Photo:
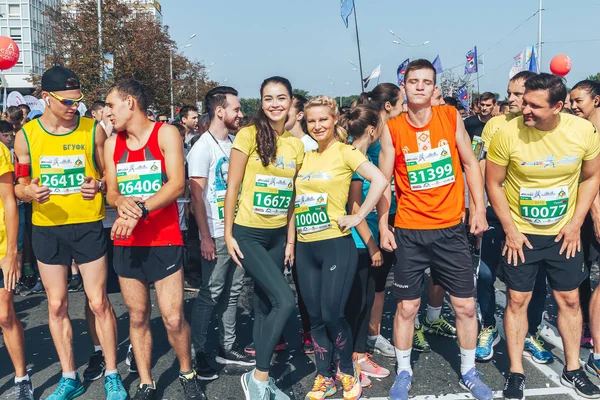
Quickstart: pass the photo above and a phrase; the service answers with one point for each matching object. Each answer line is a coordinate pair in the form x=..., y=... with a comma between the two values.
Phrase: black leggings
x=362, y=296
x=273, y=303
x=304, y=317
x=326, y=273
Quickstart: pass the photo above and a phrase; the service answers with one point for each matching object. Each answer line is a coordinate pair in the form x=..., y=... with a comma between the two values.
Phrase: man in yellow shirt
x=549, y=165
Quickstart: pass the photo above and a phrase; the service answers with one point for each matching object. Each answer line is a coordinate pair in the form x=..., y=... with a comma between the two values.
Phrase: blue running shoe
x=534, y=348
x=488, y=338
x=401, y=386
x=593, y=366
x=113, y=387
x=67, y=389
x=471, y=382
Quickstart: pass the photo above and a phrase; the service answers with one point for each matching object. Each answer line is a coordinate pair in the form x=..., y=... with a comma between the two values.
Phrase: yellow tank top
x=62, y=162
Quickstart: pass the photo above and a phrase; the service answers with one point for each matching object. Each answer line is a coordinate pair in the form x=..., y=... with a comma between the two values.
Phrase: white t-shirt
x=309, y=143
x=209, y=159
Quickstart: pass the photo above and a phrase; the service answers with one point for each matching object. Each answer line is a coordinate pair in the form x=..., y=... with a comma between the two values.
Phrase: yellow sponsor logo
x=301, y=209
x=418, y=167
x=266, y=190
x=48, y=171
x=127, y=178
x=533, y=202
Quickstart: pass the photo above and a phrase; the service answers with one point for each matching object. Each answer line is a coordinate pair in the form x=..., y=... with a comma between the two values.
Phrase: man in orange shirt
x=425, y=149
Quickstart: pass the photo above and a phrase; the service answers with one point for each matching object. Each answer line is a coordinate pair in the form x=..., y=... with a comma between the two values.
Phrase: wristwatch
x=144, y=209
x=100, y=185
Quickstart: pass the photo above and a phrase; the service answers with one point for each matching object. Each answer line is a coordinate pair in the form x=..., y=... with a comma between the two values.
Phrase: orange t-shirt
x=427, y=171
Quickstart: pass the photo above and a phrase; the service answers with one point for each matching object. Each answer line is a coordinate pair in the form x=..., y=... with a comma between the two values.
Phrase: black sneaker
x=514, y=386
x=579, y=381
x=130, y=361
x=24, y=390
x=204, y=371
x=96, y=367
x=146, y=392
x=233, y=356
x=38, y=287
x=76, y=283
x=191, y=388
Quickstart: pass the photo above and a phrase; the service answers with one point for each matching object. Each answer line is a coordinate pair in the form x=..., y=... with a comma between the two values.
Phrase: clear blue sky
x=307, y=42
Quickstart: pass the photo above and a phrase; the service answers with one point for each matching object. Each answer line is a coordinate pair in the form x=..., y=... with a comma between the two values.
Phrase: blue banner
x=347, y=6
x=471, y=64
x=402, y=70
x=463, y=97
x=437, y=63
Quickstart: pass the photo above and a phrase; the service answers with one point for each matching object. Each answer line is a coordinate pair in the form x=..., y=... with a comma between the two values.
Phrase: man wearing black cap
x=59, y=169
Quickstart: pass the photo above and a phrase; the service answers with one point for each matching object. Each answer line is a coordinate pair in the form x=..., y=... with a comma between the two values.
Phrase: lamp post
x=185, y=45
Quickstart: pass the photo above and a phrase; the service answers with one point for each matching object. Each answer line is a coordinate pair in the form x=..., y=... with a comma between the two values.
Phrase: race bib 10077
x=544, y=206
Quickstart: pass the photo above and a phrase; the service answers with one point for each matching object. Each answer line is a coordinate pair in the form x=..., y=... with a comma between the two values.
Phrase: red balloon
x=9, y=53
x=560, y=65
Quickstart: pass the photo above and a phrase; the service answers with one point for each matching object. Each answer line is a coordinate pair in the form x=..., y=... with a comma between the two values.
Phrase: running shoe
x=488, y=338
x=586, y=337
x=579, y=381
x=23, y=390
x=113, y=387
x=351, y=384
x=439, y=327
x=203, y=369
x=381, y=346
x=514, y=387
x=96, y=367
x=253, y=389
x=191, y=387
x=234, y=356
x=420, y=343
x=130, y=360
x=76, y=283
x=38, y=287
x=307, y=343
x=471, y=382
x=322, y=388
x=146, y=392
x=534, y=348
x=67, y=389
x=365, y=382
x=401, y=386
x=276, y=393
x=371, y=369
x=593, y=366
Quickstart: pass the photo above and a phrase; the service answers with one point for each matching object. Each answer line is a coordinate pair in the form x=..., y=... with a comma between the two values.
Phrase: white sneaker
x=381, y=346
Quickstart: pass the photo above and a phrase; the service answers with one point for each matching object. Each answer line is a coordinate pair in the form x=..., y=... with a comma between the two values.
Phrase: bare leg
x=376, y=314
x=515, y=324
x=570, y=325
x=466, y=321
x=404, y=323
x=435, y=294
x=170, y=302
x=12, y=330
x=137, y=298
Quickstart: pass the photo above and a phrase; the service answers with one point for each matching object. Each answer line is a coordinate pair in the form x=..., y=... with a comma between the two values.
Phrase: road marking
x=497, y=395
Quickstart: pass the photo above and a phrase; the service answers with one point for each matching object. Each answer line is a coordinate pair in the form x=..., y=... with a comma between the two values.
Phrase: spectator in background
x=203, y=124
x=151, y=116
x=189, y=120
x=163, y=118
x=6, y=134
x=461, y=110
x=451, y=101
x=504, y=108
x=34, y=114
x=88, y=114
x=26, y=110
x=14, y=115
x=97, y=110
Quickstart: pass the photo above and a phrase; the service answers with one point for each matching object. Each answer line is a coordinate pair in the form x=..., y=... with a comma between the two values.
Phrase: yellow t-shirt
x=543, y=170
x=62, y=162
x=492, y=127
x=267, y=191
x=5, y=168
x=322, y=188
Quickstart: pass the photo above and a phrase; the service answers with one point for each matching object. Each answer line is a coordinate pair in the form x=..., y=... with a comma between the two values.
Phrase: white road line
x=497, y=395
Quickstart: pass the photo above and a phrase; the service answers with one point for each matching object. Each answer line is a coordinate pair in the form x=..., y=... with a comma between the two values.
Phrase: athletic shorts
x=148, y=264
x=445, y=251
x=60, y=245
x=564, y=275
x=589, y=244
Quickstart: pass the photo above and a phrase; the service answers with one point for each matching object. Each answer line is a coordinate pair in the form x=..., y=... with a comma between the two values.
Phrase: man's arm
x=27, y=189
x=198, y=186
x=170, y=145
x=474, y=178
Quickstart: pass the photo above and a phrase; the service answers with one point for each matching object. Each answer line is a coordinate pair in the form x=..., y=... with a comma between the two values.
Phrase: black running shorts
x=148, y=264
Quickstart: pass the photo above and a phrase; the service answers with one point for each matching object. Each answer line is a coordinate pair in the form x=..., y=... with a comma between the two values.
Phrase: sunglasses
x=67, y=102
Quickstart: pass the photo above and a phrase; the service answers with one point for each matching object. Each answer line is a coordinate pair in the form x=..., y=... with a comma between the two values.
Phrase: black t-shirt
x=474, y=127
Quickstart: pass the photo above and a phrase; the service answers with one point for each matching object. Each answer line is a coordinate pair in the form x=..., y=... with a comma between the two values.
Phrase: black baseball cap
x=55, y=79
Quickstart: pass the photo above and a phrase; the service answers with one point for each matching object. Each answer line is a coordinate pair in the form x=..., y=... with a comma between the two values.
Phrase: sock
x=417, y=321
x=467, y=360
x=433, y=313
x=97, y=348
x=109, y=372
x=596, y=356
x=70, y=375
x=187, y=375
x=256, y=380
x=22, y=379
x=403, y=359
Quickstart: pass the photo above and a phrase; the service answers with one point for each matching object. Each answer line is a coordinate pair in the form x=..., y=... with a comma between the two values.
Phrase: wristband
x=144, y=209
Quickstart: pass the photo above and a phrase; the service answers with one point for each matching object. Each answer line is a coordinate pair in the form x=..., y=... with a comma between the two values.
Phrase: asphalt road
x=435, y=373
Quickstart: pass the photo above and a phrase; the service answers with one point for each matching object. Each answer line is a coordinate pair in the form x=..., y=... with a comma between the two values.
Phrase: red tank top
x=161, y=227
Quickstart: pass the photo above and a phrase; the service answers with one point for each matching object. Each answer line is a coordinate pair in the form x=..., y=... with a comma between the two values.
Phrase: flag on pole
x=374, y=75
x=532, y=64
x=518, y=64
x=437, y=63
x=463, y=97
x=347, y=6
x=401, y=71
x=471, y=64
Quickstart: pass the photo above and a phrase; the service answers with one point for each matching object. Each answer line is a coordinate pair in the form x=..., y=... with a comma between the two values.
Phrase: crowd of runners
x=402, y=182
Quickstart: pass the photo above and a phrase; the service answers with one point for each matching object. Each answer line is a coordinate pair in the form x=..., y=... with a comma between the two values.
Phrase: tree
x=249, y=107
x=302, y=92
x=594, y=77
x=140, y=48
